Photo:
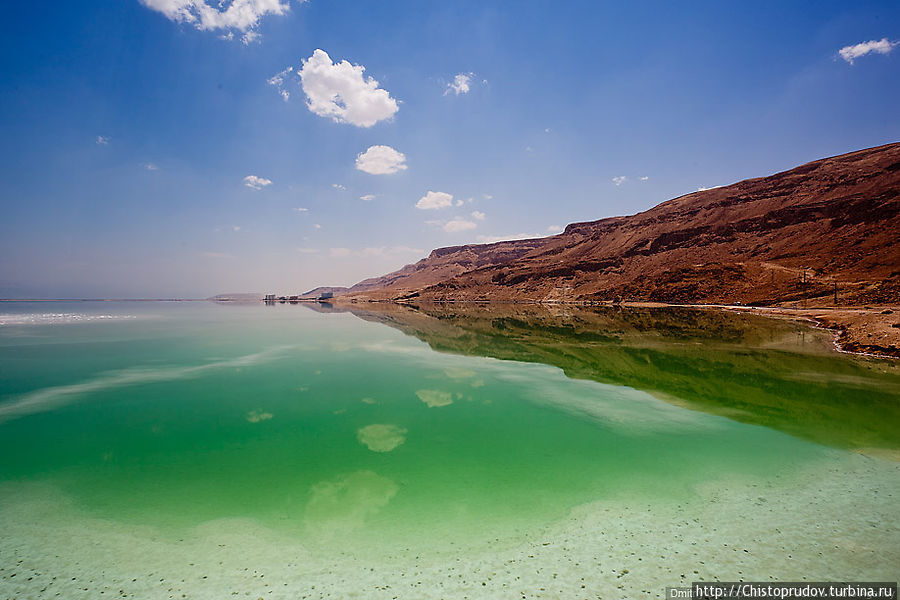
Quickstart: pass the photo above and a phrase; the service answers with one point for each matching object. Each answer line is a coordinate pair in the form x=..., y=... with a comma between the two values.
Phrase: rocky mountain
x=828, y=227
x=316, y=292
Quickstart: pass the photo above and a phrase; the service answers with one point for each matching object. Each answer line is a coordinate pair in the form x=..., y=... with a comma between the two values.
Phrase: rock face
x=317, y=292
x=832, y=223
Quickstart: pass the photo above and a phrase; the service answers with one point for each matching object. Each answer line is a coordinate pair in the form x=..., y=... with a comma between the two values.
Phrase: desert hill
x=799, y=234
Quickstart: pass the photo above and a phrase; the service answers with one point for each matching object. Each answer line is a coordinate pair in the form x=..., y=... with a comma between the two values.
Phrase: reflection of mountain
x=750, y=368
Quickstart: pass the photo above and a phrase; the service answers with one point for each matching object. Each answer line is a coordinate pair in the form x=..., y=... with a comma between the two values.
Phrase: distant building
x=270, y=298
x=325, y=296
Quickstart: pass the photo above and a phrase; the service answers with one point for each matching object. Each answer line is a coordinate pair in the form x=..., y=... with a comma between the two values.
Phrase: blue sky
x=130, y=127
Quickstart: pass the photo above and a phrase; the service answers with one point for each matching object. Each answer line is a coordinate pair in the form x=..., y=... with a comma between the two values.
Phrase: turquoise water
x=147, y=430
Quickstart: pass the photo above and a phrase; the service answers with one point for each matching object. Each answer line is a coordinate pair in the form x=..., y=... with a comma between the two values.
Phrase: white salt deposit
x=835, y=522
x=58, y=318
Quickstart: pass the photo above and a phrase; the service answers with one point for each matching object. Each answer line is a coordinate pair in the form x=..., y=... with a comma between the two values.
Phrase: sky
x=185, y=148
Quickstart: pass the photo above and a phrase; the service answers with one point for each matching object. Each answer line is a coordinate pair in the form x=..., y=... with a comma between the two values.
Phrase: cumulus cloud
x=619, y=180
x=882, y=46
x=458, y=224
x=381, y=160
x=300, y=209
x=255, y=182
x=240, y=15
x=555, y=229
x=477, y=214
x=102, y=140
x=434, y=201
x=367, y=197
x=461, y=84
x=339, y=91
x=150, y=166
x=338, y=186
x=644, y=178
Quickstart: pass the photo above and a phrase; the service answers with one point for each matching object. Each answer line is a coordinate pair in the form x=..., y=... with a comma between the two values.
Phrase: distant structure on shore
x=316, y=295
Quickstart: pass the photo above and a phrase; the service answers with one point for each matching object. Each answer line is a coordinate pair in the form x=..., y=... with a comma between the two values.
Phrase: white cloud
x=256, y=183
x=644, y=178
x=882, y=46
x=490, y=239
x=434, y=201
x=300, y=209
x=460, y=202
x=380, y=160
x=308, y=250
x=367, y=197
x=477, y=214
x=461, y=84
x=339, y=91
x=703, y=189
x=317, y=226
x=102, y=140
x=250, y=37
x=488, y=197
x=619, y=180
x=339, y=252
x=241, y=15
x=458, y=224
x=236, y=228
x=278, y=81
x=555, y=229
x=338, y=186
x=150, y=166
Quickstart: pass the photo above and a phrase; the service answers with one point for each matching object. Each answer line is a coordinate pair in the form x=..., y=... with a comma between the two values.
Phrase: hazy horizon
x=163, y=148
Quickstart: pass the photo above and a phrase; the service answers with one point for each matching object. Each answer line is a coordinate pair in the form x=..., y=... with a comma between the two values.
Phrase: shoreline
x=870, y=330
x=862, y=330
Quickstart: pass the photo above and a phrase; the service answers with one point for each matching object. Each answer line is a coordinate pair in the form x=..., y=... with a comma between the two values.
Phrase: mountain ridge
x=794, y=235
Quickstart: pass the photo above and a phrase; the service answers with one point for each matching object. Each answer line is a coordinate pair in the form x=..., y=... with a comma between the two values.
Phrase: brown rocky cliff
x=789, y=236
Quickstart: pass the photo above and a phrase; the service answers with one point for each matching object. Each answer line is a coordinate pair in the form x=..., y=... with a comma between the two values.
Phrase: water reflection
x=753, y=369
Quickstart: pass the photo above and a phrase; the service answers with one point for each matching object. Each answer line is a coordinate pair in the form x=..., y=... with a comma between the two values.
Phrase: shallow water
x=161, y=449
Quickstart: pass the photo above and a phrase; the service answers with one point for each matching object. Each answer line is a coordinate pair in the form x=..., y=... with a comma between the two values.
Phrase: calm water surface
x=361, y=453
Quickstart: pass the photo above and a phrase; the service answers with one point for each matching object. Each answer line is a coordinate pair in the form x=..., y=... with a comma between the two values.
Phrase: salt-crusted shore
x=835, y=521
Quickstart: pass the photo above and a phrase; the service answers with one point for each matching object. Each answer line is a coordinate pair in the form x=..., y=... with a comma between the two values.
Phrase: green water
x=338, y=432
